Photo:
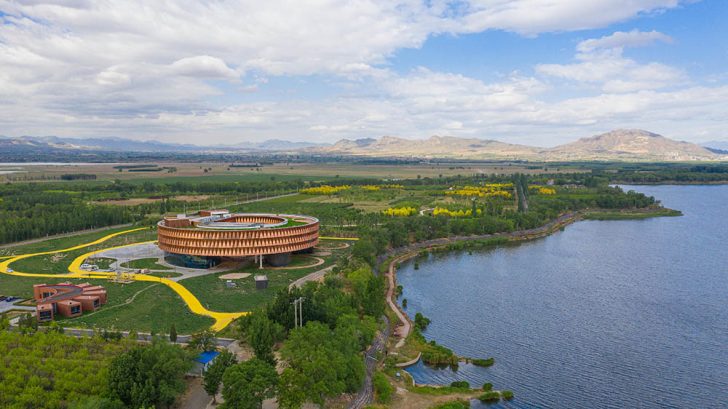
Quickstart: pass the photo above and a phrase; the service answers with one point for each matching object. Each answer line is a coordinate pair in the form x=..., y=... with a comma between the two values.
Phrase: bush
x=489, y=397
x=483, y=362
x=382, y=388
x=460, y=384
x=487, y=386
x=456, y=404
x=507, y=395
x=421, y=322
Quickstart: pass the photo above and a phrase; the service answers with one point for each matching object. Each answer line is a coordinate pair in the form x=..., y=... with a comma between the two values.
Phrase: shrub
x=483, y=362
x=456, y=404
x=382, y=388
x=487, y=386
x=489, y=397
x=507, y=395
x=421, y=322
x=460, y=384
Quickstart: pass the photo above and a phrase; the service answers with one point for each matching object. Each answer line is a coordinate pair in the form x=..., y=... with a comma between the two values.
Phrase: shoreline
x=394, y=257
x=673, y=183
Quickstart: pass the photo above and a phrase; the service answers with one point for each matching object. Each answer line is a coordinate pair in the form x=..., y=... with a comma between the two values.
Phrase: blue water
x=605, y=314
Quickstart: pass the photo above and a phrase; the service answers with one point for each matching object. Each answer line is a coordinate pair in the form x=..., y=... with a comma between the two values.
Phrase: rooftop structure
x=204, y=239
x=67, y=300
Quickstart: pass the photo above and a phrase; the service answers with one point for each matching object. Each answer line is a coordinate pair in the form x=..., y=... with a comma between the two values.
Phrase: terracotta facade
x=67, y=300
x=242, y=242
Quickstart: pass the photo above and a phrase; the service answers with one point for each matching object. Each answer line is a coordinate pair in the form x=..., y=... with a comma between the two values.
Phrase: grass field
x=104, y=263
x=221, y=172
x=148, y=263
x=155, y=308
x=59, y=243
x=57, y=263
x=214, y=295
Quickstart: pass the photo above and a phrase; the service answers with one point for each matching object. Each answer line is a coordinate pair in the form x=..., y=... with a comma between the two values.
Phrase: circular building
x=205, y=239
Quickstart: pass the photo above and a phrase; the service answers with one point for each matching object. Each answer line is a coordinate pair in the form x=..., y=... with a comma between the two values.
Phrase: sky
x=538, y=72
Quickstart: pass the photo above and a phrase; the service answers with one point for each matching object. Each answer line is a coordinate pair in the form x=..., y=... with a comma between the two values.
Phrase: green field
x=155, y=308
x=148, y=263
x=213, y=294
x=59, y=243
x=57, y=263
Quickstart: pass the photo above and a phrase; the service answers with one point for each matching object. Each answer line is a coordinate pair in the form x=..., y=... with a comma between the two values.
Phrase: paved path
x=315, y=276
x=9, y=306
x=365, y=396
x=405, y=326
x=143, y=336
x=195, y=396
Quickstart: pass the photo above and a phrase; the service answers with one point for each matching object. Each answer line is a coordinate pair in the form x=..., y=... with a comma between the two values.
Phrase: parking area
x=8, y=304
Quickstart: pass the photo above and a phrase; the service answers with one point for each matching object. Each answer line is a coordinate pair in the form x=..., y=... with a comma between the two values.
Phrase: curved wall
x=238, y=243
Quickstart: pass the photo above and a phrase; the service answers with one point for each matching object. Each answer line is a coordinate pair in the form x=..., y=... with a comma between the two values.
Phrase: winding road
x=222, y=319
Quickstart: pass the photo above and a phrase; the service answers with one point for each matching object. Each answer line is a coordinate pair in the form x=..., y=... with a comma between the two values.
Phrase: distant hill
x=275, y=145
x=35, y=143
x=617, y=145
x=433, y=147
x=630, y=145
x=720, y=147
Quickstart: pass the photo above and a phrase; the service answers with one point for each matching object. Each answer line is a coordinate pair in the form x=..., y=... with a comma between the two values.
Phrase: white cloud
x=531, y=17
x=602, y=63
x=621, y=39
x=204, y=66
x=142, y=69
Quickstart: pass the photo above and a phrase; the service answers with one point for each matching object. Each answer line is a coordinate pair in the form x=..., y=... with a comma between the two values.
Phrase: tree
x=382, y=388
x=4, y=322
x=247, y=384
x=421, y=322
x=261, y=334
x=55, y=327
x=202, y=341
x=173, y=334
x=149, y=375
x=213, y=375
x=27, y=324
x=322, y=363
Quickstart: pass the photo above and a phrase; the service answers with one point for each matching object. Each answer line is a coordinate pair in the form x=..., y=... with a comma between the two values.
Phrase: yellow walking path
x=222, y=319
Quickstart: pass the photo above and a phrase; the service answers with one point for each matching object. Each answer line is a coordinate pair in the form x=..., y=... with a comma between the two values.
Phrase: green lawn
x=214, y=295
x=20, y=286
x=148, y=263
x=57, y=263
x=103, y=263
x=154, y=309
x=61, y=243
x=164, y=274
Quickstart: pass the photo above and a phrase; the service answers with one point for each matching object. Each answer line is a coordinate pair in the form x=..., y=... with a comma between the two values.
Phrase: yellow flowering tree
x=324, y=190
x=400, y=211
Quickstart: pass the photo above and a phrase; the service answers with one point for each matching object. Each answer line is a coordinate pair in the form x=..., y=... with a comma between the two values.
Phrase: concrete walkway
x=151, y=250
x=315, y=276
x=9, y=306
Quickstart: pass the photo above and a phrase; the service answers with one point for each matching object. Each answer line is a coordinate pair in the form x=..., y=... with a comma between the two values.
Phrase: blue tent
x=204, y=360
x=207, y=357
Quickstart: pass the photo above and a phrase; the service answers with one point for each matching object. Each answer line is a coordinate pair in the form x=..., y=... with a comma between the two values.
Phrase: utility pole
x=298, y=312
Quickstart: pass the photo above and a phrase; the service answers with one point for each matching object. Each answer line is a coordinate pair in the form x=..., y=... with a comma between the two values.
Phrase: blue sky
x=539, y=72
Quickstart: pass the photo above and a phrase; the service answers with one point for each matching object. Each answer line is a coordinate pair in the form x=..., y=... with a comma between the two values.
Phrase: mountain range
x=617, y=145
x=129, y=145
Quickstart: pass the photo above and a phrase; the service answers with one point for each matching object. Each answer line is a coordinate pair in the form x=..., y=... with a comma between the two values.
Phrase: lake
x=605, y=314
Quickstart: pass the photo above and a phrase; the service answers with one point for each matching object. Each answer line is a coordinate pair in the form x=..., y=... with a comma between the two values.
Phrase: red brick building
x=67, y=300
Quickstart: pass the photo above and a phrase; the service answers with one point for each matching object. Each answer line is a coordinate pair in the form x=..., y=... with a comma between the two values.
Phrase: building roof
x=207, y=357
